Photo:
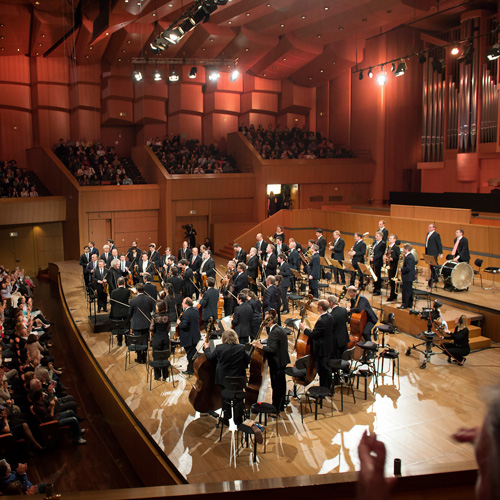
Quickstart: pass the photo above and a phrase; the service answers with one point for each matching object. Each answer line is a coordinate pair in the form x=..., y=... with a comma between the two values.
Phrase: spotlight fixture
x=422, y=58
x=467, y=55
x=173, y=77
x=370, y=73
x=493, y=53
x=156, y=75
x=234, y=75
x=382, y=78
x=455, y=50
x=393, y=67
x=137, y=76
x=173, y=36
x=437, y=65
x=214, y=75
x=400, y=70
x=192, y=72
x=360, y=75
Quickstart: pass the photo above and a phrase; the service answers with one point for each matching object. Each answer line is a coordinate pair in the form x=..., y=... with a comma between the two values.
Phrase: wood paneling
x=32, y=210
x=456, y=215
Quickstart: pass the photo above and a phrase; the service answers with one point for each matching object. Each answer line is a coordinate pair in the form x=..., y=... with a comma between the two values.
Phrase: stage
x=414, y=416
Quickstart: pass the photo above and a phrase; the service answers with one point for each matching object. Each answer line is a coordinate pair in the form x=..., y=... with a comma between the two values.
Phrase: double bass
x=205, y=395
x=257, y=364
x=303, y=345
x=357, y=325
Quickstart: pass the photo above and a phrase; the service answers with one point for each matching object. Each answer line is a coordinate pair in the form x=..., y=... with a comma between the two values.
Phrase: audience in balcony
x=283, y=143
x=14, y=181
x=189, y=157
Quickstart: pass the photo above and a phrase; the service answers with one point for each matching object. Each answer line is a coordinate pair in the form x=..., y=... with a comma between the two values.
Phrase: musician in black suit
x=125, y=266
x=377, y=261
x=106, y=256
x=92, y=266
x=240, y=279
x=184, y=251
x=280, y=247
x=92, y=249
x=111, y=245
x=154, y=256
x=114, y=273
x=207, y=267
x=460, y=250
x=340, y=333
x=145, y=267
x=176, y=281
x=314, y=271
x=358, y=304
x=189, y=332
x=209, y=302
x=286, y=274
x=240, y=254
x=164, y=260
x=433, y=247
x=150, y=289
x=322, y=342
x=358, y=256
x=119, y=305
x=337, y=250
x=321, y=242
x=383, y=230
x=242, y=318
x=407, y=276
x=294, y=262
x=276, y=351
x=195, y=264
x=99, y=279
x=84, y=262
x=261, y=246
x=271, y=262
x=187, y=274
x=392, y=258
x=271, y=296
x=141, y=308
x=134, y=253
x=253, y=268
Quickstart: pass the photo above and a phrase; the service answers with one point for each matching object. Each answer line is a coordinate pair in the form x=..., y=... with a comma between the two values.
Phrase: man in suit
x=407, y=276
x=271, y=262
x=111, y=245
x=106, y=256
x=195, y=264
x=207, y=267
x=209, y=302
x=271, y=296
x=392, y=257
x=92, y=266
x=154, y=256
x=84, y=262
x=314, y=271
x=141, y=308
x=114, y=273
x=261, y=246
x=383, y=230
x=188, y=288
x=124, y=265
x=358, y=304
x=184, y=252
x=253, y=268
x=276, y=351
x=293, y=261
x=189, y=332
x=358, y=256
x=145, y=267
x=242, y=318
x=240, y=279
x=280, y=246
x=150, y=289
x=286, y=274
x=177, y=283
x=460, y=250
x=130, y=251
x=377, y=261
x=240, y=254
x=433, y=247
x=337, y=250
x=99, y=279
x=340, y=333
x=321, y=242
x=322, y=342
x=92, y=249
x=119, y=305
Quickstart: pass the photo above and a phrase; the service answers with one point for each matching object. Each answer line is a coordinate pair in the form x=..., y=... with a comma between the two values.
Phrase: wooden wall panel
x=213, y=186
x=121, y=137
x=254, y=83
x=216, y=127
x=32, y=210
x=49, y=244
x=339, y=110
x=456, y=215
x=16, y=134
x=264, y=119
x=186, y=125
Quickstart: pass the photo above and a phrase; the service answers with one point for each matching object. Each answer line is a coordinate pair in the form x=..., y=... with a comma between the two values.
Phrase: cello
x=303, y=345
x=205, y=395
x=257, y=364
x=357, y=325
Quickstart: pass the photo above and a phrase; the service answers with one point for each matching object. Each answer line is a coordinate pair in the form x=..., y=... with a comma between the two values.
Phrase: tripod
x=430, y=339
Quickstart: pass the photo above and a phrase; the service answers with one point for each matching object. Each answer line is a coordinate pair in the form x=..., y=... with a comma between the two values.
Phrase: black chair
x=233, y=395
x=119, y=328
x=478, y=263
x=135, y=343
x=325, y=286
x=265, y=409
x=318, y=395
x=391, y=355
x=342, y=375
x=366, y=366
x=160, y=361
x=298, y=373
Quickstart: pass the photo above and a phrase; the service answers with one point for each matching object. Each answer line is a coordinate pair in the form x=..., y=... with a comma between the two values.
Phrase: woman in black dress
x=160, y=334
x=460, y=346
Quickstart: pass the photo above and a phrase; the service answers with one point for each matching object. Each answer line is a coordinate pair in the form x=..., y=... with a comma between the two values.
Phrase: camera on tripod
x=429, y=313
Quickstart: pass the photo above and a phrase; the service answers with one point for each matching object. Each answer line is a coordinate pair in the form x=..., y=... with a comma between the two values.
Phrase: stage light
x=173, y=77
x=467, y=55
x=137, y=76
x=360, y=75
x=173, y=36
x=401, y=69
x=422, y=58
x=213, y=76
x=234, y=75
x=187, y=25
x=156, y=75
x=455, y=50
x=370, y=73
x=437, y=65
x=382, y=78
x=493, y=53
x=193, y=72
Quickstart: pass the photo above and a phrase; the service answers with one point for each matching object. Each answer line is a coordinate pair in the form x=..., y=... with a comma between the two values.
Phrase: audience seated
x=92, y=164
x=189, y=157
x=15, y=182
x=296, y=143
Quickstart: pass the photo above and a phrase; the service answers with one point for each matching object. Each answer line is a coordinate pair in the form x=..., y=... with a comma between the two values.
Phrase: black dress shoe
x=401, y=307
x=391, y=299
x=377, y=293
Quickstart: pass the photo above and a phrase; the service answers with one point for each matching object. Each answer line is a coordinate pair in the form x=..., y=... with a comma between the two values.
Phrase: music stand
x=365, y=270
x=433, y=263
x=298, y=277
x=349, y=267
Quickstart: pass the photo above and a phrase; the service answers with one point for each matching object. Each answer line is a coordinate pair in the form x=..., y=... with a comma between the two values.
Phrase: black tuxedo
x=241, y=256
x=322, y=347
x=164, y=259
x=271, y=298
x=462, y=249
x=359, y=257
x=261, y=247
x=232, y=360
x=130, y=257
x=293, y=259
x=151, y=290
x=253, y=267
x=93, y=251
x=242, y=321
x=189, y=334
x=314, y=270
x=433, y=244
x=141, y=309
x=286, y=274
x=321, y=242
x=84, y=262
x=284, y=248
x=149, y=269
x=393, y=254
x=378, y=255
x=408, y=276
x=184, y=254
x=195, y=264
x=364, y=305
x=208, y=268
x=118, y=310
x=90, y=269
x=102, y=296
x=272, y=264
x=340, y=333
x=188, y=288
x=107, y=260
x=155, y=257
x=209, y=304
x=338, y=254
x=177, y=283
x=240, y=282
x=113, y=276
x=385, y=234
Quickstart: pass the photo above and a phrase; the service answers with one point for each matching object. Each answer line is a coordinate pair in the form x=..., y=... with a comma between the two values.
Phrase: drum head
x=462, y=276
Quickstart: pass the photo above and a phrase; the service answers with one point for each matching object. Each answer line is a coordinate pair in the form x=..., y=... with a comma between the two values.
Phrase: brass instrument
x=305, y=260
x=349, y=253
x=271, y=239
x=400, y=266
x=369, y=254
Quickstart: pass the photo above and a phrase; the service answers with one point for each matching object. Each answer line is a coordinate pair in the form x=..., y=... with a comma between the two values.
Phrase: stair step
x=474, y=331
x=479, y=343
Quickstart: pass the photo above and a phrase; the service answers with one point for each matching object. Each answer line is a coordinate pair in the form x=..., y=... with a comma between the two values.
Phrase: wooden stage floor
x=414, y=416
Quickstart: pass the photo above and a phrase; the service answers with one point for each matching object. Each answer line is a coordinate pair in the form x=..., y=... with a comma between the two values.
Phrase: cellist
x=360, y=303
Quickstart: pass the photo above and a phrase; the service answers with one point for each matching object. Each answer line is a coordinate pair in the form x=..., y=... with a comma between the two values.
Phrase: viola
x=303, y=345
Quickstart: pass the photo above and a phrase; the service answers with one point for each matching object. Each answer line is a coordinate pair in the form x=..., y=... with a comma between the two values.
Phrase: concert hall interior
x=330, y=144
